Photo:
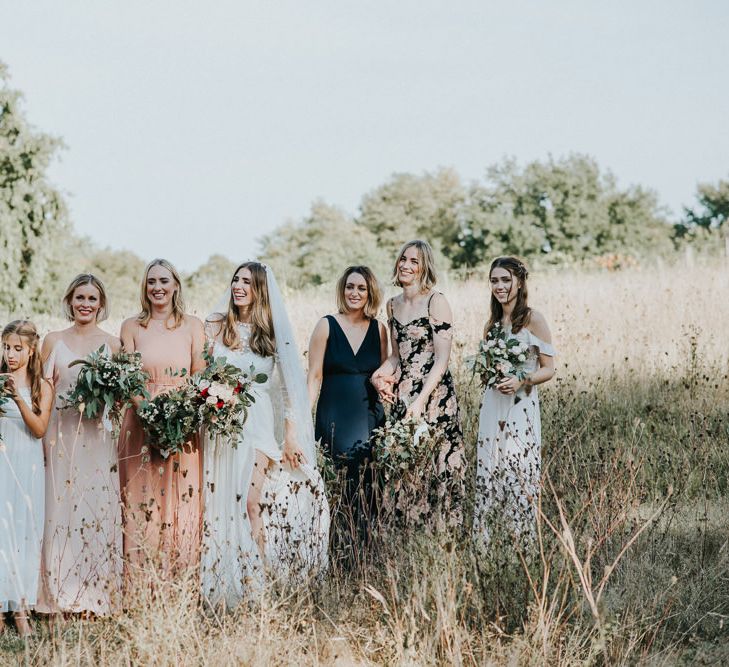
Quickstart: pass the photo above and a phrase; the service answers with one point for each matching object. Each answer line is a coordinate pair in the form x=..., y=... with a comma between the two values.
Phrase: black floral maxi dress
x=417, y=356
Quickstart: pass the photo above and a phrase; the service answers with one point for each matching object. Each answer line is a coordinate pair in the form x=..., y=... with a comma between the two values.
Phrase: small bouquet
x=499, y=356
x=400, y=447
x=171, y=419
x=4, y=393
x=224, y=395
x=106, y=385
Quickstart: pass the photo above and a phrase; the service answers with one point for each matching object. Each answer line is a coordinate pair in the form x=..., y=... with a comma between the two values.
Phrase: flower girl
x=26, y=407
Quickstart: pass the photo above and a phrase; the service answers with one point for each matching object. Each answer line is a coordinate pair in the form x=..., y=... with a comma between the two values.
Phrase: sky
x=193, y=128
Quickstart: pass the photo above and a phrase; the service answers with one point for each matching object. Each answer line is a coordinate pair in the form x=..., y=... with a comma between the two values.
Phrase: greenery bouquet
x=106, y=384
x=4, y=394
x=171, y=419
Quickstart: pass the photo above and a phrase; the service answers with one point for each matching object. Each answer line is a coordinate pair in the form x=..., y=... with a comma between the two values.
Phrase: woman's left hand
x=415, y=410
x=292, y=453
x=510, y=385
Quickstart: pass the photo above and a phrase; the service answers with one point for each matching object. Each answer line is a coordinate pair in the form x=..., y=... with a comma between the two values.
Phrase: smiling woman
x=161, y=495
x=81, y=567
x=345, y=349
x=415, y=377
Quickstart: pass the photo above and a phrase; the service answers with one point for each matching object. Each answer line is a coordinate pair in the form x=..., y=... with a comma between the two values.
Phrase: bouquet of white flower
x=499, y=356
x=171, y=419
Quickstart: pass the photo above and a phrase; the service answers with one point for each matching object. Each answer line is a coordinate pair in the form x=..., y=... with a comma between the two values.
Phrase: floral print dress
x=415, y=343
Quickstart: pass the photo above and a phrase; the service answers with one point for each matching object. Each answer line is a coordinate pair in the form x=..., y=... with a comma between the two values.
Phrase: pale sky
x=194, y=127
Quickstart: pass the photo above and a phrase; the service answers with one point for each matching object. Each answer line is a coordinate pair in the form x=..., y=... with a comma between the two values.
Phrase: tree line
x=550, y=211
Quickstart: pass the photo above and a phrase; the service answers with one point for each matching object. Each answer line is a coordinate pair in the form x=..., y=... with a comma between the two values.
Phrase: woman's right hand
x=10, y=389
x=384, y=385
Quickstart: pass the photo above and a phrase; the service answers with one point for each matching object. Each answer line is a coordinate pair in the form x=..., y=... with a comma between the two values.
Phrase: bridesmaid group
x=81, y=514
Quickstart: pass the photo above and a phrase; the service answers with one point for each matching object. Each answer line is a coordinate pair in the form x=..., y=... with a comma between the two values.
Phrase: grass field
x=632, y=560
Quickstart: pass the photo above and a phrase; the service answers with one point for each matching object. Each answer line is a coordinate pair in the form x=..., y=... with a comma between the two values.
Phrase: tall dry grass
x=631, y=560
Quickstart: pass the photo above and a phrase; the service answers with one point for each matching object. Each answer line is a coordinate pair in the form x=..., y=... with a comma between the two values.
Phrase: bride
x=266, y=515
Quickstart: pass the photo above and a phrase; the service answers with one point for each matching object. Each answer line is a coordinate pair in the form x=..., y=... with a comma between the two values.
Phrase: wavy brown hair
x=374, y=293
x=178, y=305
x=262, y=341
x=80, y=280
x=522, y=313
x=26, y=330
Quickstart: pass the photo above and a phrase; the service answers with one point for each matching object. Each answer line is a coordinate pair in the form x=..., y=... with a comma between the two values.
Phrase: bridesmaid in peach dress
x=161, y=496
x=82, y=538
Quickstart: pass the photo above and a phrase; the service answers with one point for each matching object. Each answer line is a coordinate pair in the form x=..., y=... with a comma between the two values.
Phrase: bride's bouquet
x=224, y=394
x=106, y=385
x=499, y=356
x=171, y=419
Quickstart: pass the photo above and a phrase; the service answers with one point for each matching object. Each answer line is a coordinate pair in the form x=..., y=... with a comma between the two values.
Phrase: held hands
x=510, y=385
x=384, y=384
x=292, y=453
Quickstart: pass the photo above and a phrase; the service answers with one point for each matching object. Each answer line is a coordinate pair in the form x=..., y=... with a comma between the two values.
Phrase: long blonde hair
x=178, y=305
x=80, y=280
x=262, y=341
x=428, y=276
x=28, y=331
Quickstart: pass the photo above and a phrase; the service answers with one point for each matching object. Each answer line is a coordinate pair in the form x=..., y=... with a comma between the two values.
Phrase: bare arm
x=198, y=344
x=539, y=327
x=37, y=423
x=317, y=348
x=49, y=342
x=384, y=377
x=114, y=344
x=128, y=328
x=383, y=342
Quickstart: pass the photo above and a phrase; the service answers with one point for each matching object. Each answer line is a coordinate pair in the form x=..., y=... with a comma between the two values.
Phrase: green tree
x=316, y=249
x=33, y=215
x=710, y=214
x=409, y=206
x=558, y=209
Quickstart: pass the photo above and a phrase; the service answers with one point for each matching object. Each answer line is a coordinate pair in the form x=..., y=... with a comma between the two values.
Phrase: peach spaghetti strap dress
x=161, y=496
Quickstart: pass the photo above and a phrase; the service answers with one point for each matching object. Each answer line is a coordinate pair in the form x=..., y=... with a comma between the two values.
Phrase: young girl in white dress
x=509, y=429
x=22, y=480
x=264, y=506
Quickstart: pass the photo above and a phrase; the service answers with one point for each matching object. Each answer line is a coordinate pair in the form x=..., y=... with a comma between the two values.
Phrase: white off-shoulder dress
x=509, y=451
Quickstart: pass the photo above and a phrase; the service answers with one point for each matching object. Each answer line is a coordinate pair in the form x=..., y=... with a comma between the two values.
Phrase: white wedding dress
x=294, y=508
x=509, y=452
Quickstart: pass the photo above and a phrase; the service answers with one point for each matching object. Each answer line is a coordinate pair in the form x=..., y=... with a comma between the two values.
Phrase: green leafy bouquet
x=224, y=395
x=400, y=447
x=106, y=384
x=499, y=356
x=170, y=419
x=4, y=394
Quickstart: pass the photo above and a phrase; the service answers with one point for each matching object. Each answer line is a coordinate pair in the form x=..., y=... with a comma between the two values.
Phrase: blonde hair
x=374, y=292
x=28, y=331
x=262, y=341
x=80, y=280
x=178, y=305
x=428, y=276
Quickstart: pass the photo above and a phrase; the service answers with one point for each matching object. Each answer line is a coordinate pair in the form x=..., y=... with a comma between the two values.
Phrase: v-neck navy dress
x=349, y=407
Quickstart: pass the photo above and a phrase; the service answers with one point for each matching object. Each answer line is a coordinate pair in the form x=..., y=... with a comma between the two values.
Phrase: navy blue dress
x=349, y=407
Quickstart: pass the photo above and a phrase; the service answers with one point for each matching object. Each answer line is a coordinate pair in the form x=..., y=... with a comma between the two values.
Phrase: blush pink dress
x=162, y=510
x=82, y=537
